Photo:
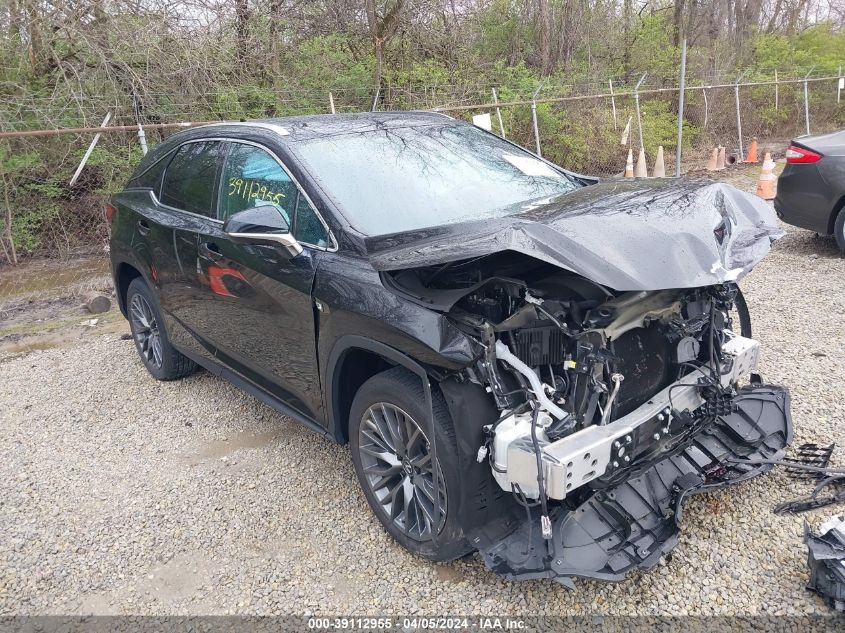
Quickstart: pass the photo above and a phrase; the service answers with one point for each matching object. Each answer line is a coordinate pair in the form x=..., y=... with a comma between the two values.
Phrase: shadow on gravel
x=801, y=242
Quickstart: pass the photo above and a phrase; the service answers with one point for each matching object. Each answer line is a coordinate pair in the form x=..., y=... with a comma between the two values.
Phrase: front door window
x=253, y=178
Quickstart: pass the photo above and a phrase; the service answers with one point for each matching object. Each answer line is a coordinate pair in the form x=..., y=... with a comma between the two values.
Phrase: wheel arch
x=124, y=274
x=837, y=209
x=354, y=360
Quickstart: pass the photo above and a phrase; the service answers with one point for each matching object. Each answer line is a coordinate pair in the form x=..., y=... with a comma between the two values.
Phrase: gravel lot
x=119, y=494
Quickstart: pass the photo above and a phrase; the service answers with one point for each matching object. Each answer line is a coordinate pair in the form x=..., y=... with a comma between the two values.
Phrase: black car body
x=525, y=361
x=811, y=187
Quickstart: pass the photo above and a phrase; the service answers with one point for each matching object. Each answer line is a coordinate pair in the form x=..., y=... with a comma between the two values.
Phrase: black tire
x=744, y=315
x=403, y=390
x=161, y=359
x=839, y=231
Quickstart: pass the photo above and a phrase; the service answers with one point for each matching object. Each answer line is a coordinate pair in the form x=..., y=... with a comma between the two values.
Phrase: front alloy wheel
x=399, y=469
x=392, y=435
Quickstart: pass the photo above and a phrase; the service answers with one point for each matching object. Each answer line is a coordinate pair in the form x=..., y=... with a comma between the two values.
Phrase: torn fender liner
x=623, y=234
x=633, y=524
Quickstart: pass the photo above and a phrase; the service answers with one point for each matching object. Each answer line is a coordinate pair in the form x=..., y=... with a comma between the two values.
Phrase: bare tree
x=383, y=26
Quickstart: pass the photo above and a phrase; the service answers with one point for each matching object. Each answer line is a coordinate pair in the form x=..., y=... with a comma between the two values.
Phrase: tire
x=839, y=231
x=744, y=315
x=396, y=396
x=150, y=335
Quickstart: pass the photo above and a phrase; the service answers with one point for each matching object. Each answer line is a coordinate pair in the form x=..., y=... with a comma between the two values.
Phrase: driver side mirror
x=262, y=225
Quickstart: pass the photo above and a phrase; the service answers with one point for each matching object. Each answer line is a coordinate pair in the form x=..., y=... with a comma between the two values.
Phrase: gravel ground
x=121, y=495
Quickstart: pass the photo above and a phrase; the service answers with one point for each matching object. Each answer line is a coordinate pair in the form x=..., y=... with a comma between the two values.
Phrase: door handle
x=210, y=251
x=143, y=227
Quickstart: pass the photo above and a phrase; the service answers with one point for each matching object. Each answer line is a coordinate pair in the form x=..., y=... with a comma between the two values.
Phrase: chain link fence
x=54, y=236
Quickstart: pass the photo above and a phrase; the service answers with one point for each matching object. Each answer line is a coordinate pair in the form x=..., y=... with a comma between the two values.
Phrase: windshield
x=399, y=179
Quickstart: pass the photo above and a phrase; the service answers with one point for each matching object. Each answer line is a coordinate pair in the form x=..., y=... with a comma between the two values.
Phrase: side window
x=308, y=228
x=189, y=181
x=253, y=178
x=150, y=178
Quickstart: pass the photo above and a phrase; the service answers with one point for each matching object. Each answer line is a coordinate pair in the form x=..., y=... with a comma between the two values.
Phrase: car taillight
x=111, y=211
x=797, y=154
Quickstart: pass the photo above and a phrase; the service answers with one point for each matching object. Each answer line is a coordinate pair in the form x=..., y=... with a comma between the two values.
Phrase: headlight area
x=610, y=451
x=612, y=408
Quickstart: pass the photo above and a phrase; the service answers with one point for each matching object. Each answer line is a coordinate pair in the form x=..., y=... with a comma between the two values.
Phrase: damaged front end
x=610, y=409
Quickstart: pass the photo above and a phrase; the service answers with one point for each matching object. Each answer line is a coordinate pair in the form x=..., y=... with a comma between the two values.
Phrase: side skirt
x=255, y=391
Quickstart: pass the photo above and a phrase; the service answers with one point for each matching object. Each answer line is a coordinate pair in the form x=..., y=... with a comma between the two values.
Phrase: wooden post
x=612, y=103
x=498, y=113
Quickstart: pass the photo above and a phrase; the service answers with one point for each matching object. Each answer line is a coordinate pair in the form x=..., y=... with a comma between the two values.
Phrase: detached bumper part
x=826, y=559
x=630, y=525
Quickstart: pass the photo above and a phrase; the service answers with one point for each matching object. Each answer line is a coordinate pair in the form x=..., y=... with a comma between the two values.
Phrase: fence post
x=738, y=115
x=498, y=113
x=681, y=108
x=637, y=104
x=88, y=151
x=612, y=103
x=331, y=102
x=776, y=90
x=807, y=99
x=142, y=137
x=534, y=118
x=839, y=85
x=375, y=99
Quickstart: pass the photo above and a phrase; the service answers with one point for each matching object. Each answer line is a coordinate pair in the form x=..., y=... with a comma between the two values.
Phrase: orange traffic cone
x=752, y=152
x=629, y=165
x=640, y=171
x=659, y=164
x=713, y=163
x=720, y=163
x=768, y=183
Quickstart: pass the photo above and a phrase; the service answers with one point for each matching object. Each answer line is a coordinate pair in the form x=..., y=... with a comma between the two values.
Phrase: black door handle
x=143, y=227
x=210, y=251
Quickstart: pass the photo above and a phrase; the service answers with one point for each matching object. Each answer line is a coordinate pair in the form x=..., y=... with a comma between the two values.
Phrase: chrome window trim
x=278, y=129
x=191, y=213
x=333, y=245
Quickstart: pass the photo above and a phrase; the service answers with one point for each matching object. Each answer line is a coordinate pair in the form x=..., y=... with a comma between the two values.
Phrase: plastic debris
x=810, y=454
x=826, y=560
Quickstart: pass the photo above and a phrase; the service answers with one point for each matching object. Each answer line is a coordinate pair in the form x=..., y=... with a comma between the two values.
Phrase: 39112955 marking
x=349, y=624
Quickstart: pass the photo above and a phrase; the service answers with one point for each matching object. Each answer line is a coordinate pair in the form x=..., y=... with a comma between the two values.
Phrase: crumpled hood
x=624, y=234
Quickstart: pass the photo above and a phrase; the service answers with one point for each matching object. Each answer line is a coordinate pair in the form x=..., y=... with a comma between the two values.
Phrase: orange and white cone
x=767, y=184
x=713, y=163
x=641, y=171
x=752, y=152
x=659, y=164
x=629, y=165
x=720, y=162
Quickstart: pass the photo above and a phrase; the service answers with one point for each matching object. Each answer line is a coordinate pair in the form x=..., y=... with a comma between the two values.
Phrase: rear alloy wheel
x=150, y=335
x=145, y=331
x=393, y=458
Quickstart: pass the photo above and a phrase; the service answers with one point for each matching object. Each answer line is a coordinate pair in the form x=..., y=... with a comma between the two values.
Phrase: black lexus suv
x=525, y=362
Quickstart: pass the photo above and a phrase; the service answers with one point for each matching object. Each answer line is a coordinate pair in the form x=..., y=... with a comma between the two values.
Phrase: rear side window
x=150, y=177
x=189, y=182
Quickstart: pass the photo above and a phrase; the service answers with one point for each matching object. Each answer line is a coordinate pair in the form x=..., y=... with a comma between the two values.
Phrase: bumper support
x=632, y=524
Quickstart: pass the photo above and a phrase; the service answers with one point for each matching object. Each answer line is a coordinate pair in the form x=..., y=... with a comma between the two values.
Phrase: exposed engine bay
x=597, y=389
